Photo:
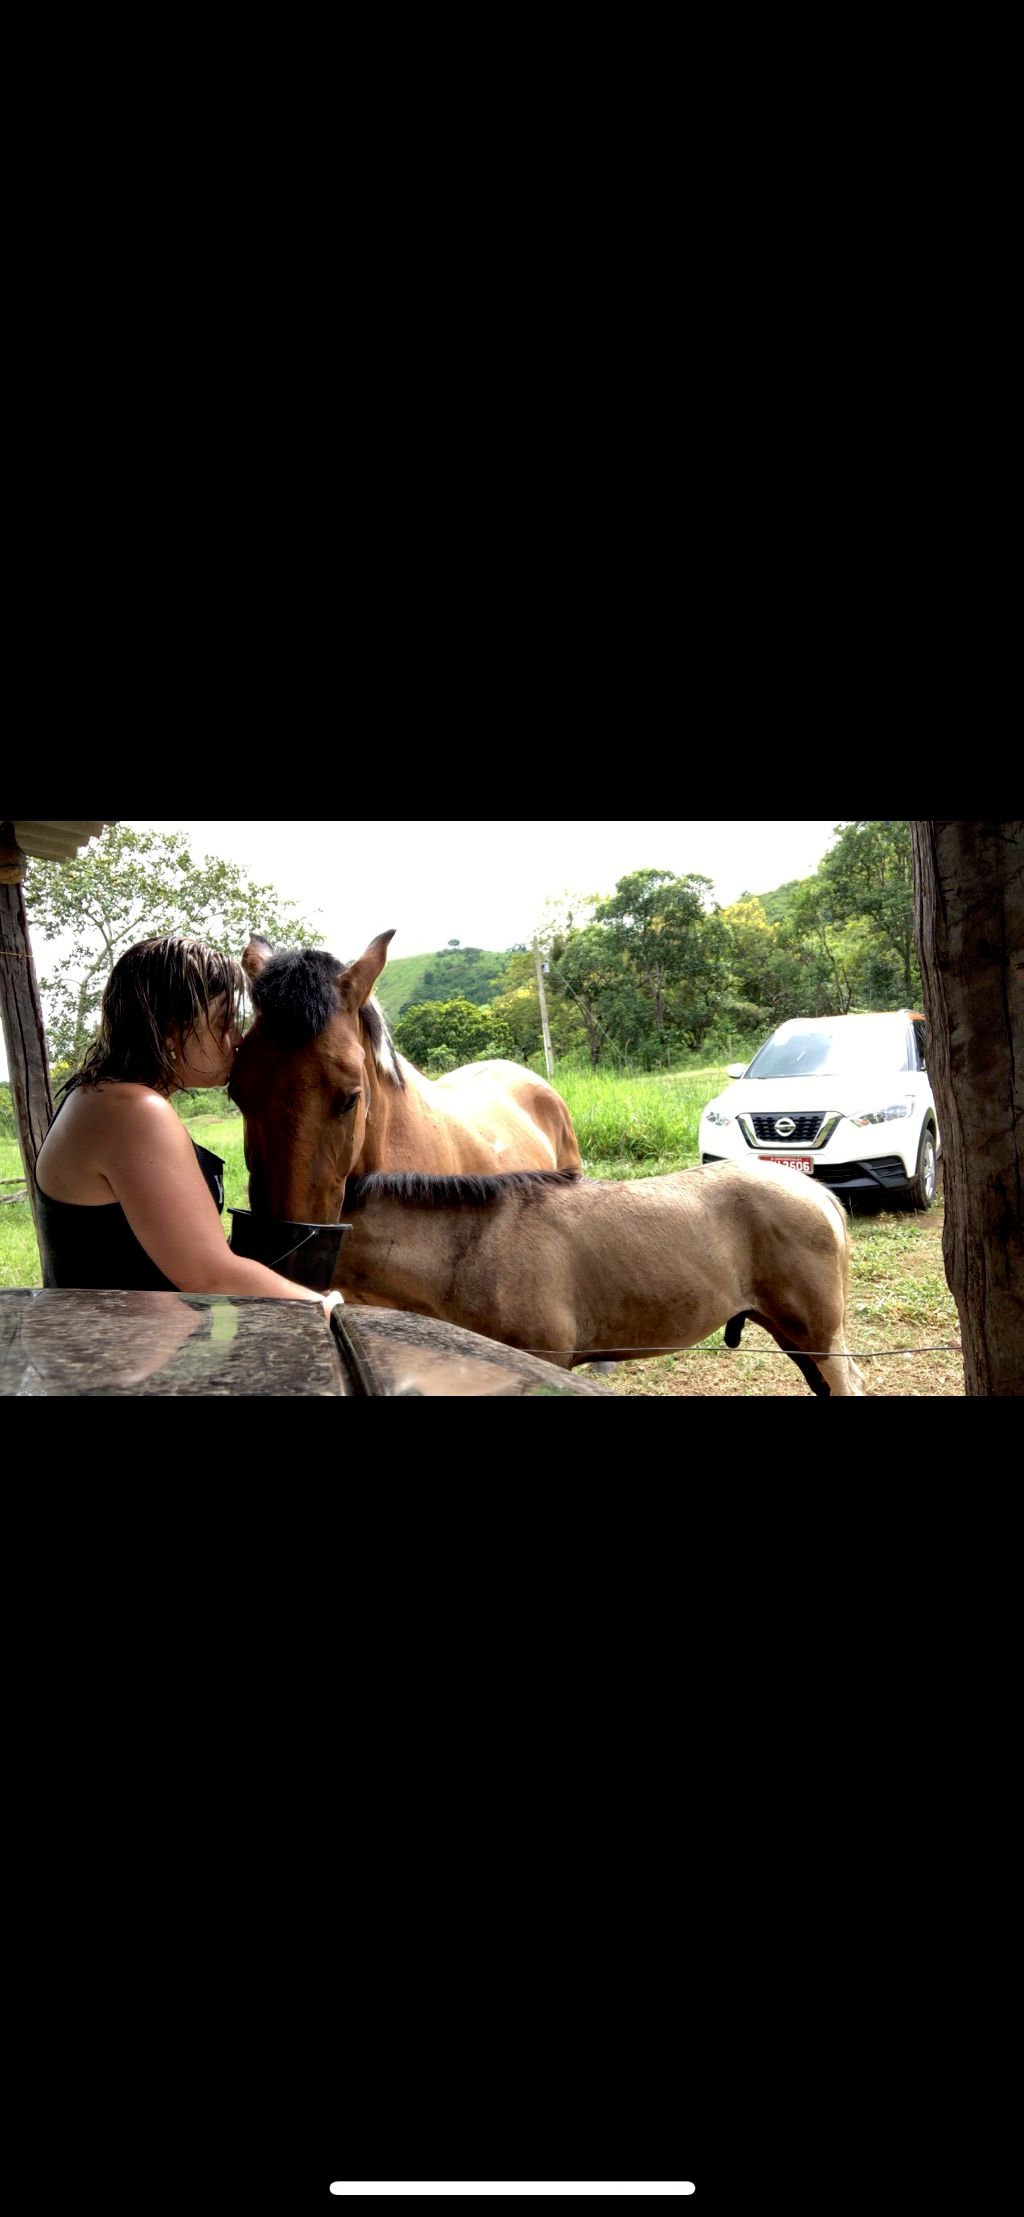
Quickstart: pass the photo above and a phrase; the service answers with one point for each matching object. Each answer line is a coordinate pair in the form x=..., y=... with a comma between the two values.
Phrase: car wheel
x=921, y=1190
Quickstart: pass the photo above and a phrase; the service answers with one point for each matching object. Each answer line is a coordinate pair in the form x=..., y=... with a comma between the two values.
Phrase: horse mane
x=295, y=996
x=378, y=1031
x=441, y=1191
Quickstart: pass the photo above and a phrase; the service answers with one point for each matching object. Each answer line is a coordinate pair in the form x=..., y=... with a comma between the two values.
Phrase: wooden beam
x=12, y=860
x=22, y=1015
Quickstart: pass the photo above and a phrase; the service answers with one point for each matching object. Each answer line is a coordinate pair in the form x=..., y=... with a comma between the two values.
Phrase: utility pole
x=548, y=1056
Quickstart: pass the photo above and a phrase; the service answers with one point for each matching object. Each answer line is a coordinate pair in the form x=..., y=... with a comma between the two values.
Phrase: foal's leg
x=830, y=1319
x=842, y=1374
x=837, y=1371
x=827, y=1375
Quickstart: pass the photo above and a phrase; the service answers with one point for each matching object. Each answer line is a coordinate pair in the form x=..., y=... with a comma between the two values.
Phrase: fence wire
x=783, y=1354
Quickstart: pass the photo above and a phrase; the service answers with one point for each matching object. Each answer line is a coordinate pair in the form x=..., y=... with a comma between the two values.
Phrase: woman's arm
x=149, y=1162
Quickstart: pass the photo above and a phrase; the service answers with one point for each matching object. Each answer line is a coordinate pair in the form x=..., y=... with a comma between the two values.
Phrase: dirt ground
x=898, y=1299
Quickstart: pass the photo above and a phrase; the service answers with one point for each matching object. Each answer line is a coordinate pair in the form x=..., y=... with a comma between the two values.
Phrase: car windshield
x=854, y=1047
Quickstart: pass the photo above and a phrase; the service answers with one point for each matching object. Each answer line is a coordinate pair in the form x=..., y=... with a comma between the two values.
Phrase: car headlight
x=714, y=1115
x=883, y=1115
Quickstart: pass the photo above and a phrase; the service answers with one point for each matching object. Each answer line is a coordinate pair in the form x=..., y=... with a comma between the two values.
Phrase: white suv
x=842, y=1098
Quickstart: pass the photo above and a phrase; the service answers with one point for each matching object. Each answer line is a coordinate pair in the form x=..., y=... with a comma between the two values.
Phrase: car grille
x=805, y=1128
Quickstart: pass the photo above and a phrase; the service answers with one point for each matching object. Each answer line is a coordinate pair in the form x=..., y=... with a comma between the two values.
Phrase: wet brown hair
x=158, y=987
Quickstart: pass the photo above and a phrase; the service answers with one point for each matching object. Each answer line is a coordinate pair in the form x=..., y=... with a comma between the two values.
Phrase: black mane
x=420, y=1185
x=295, y=993
x=295, y=996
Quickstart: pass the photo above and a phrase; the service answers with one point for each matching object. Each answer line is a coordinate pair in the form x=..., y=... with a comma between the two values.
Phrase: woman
x=124, y=1196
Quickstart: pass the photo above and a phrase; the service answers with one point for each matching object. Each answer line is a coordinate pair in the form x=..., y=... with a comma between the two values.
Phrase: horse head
x=305, y=1075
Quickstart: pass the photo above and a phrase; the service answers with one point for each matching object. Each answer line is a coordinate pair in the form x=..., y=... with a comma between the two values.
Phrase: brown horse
x=574, y=1268
x=323, y=1093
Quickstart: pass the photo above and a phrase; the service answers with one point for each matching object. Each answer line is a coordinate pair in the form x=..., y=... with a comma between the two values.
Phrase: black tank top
x=83, y=1246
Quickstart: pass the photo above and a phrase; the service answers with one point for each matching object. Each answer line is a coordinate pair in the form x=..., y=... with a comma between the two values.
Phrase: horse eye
x=347, y=1102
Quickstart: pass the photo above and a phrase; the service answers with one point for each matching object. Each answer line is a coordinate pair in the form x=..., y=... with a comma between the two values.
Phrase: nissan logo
x=784, y=1125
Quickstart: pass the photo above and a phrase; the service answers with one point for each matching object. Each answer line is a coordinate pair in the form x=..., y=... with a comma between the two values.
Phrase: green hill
x=448, y=974
x=778, y=904
x=398, y=983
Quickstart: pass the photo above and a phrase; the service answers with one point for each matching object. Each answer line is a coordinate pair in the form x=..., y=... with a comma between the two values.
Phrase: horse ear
x=257, y=954
x=358, y=981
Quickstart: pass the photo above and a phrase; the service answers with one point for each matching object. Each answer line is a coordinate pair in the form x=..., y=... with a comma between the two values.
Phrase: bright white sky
x=486, y=883
x=482, y=882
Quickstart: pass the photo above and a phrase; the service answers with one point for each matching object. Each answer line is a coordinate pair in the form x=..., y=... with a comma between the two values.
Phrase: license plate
x=791, y=1162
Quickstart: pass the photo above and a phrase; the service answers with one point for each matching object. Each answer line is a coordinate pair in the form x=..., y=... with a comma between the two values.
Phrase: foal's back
x=661, y=1262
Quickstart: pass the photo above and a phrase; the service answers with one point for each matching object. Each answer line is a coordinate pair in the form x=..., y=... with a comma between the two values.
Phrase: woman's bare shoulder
x=122, y=1097
x=97, y=1128
x=122, y=1109
x=117, y=1102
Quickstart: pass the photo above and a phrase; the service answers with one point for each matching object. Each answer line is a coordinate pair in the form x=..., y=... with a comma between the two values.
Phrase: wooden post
x=22, y=1014
x=969, y=904
x=548, y=1056
x=12, y=861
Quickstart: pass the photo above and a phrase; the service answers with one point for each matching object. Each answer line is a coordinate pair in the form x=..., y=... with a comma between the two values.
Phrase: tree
x=460, y=973
x=138, y=885
x=676, y=947
x=518, y=1003
x=606, y=996
x=969, y=912
x=519, y=1011
x=441, y=1035
x=518, y=1007
x=765, y=970
x=869, y=873
x=825, y=951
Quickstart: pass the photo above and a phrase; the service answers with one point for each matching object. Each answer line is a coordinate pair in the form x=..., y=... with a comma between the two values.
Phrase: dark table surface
x=64, y=1343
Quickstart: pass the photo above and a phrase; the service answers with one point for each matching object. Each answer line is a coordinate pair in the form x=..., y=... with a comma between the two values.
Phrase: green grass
x=19, y=1255
x=641, y=1125
x=223, y=1136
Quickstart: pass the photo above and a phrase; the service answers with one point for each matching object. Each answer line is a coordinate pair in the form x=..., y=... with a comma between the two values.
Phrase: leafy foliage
x=868, y=876
x=463, y=974
x=657, y=971
x=441, y=1036
x=402, y=982
x=138, y=885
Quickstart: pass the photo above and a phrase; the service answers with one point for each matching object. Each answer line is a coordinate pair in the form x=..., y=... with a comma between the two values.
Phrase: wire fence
x=783, y=1354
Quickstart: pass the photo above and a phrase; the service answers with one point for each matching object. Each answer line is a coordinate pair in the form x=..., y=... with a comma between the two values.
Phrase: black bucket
x=306, y=1253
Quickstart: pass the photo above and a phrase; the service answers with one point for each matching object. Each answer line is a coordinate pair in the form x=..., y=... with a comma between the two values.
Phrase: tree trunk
x=23, y=1032
x=969, y=911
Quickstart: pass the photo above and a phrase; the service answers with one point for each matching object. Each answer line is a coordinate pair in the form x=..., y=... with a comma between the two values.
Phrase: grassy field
x=638, y=1127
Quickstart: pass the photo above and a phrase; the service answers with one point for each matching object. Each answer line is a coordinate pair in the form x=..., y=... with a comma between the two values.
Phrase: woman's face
x=207, y=1057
